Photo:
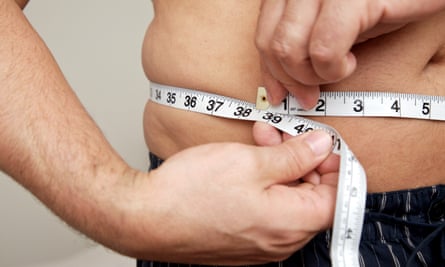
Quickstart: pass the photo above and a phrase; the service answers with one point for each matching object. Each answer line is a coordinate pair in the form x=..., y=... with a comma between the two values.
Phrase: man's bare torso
x=209, y=45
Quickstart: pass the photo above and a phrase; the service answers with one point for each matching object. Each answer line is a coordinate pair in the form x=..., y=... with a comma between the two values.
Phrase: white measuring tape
x=351, y=192
x=369, y=104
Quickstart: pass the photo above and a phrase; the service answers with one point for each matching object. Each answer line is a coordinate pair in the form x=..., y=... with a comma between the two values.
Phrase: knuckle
x=288, y=43
x=322, y=53
x=281, y=48
x=327, y=62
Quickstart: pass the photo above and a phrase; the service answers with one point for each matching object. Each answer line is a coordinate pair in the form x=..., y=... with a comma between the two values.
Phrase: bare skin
x=210, y=46
x=51, y=146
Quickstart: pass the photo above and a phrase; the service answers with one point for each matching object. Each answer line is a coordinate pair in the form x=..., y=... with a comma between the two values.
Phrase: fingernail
x=303, y=104
x=320, y=142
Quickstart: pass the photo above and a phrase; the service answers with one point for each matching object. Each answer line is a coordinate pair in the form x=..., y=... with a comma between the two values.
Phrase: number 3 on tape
x=351, y=192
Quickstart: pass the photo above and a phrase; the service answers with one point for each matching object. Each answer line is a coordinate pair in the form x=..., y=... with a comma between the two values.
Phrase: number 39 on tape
x=351, y=191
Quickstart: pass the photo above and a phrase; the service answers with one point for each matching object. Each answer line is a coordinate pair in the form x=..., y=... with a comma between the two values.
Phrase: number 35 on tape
x=351, y=191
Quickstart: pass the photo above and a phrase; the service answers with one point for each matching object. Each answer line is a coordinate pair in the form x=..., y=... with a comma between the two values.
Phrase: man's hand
x=238, y=204
x=304, y=44
x=218, y=203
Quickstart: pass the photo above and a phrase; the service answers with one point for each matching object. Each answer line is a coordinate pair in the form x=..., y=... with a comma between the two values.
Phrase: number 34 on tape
x=351, y=192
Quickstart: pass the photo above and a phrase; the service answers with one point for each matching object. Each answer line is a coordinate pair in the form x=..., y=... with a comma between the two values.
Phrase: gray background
x=97, y=43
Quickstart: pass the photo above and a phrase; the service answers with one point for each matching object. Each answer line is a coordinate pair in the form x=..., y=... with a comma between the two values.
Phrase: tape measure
x=365, y=104
x=351, y=191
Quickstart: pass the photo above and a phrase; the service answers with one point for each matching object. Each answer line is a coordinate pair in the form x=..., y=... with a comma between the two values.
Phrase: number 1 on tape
x=351, y=191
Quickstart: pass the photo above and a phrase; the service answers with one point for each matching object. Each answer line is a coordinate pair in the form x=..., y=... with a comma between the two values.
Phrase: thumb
x=266, y=135
x=296, y=157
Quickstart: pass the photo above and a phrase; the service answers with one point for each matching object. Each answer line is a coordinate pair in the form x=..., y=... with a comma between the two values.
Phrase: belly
x=214, y=52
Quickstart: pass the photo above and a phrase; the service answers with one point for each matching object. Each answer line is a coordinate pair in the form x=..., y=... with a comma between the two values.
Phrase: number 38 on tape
x=351, y=191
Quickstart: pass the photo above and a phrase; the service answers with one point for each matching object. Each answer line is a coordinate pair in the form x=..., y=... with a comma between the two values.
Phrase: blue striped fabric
x=401, y=229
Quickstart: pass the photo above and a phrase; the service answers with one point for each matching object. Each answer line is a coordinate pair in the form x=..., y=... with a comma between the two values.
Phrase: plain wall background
x=97, y=44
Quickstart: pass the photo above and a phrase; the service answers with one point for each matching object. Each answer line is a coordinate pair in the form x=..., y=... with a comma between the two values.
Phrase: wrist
x=122, y=213
x=92, y=201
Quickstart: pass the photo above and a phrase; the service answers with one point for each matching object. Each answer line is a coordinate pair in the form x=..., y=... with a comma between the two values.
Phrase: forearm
x=182, y=212
x=48, y=142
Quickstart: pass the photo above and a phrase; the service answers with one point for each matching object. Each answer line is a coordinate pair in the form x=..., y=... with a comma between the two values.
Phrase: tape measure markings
x=344, y=244
x=351, y=190
x=369, y=104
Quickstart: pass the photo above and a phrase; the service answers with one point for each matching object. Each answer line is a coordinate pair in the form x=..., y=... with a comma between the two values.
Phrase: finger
x=270, y=15
x=287, y=136
x=319, y=205
x=276, y=92
x=335, y=31
x=316, y=202
x=407, y=11
x=295, y=157
x=290, y=43
x=283, y=46
x=312, y=178
x=330, y=179
x=266, y=135
x=377, y=31
x=271, y=65
x=329, y=165
x=306, y=95
x=326, y=172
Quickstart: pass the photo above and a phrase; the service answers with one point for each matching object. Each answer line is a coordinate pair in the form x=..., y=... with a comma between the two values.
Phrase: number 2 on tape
x=351, y=192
